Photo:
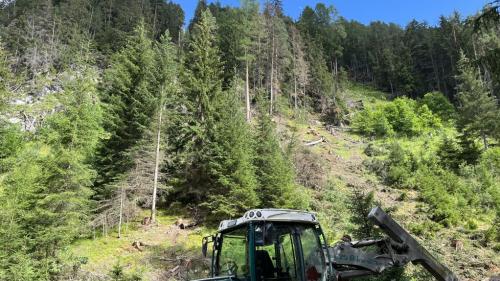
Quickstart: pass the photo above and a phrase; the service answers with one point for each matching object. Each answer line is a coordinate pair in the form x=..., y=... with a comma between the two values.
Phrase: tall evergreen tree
x=275, y=173
x=231, y=163
x=200, y=8
x=167, y=80
x=131, y=100
x=219, y=159
x=49, y=183
x=479, y=113
x=5, y=76
x=250, y=30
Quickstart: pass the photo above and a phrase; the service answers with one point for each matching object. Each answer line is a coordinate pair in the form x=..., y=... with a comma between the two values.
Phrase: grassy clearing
x=163, y=241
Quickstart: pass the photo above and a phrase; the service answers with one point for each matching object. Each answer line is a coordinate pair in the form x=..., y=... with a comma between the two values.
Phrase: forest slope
x=338, y=168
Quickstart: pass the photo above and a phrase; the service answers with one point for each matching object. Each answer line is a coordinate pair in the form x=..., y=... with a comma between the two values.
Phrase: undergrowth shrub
x=439, y=188
x=427, y=228
x=452, y=196
x=439, y=105
x=402, y=116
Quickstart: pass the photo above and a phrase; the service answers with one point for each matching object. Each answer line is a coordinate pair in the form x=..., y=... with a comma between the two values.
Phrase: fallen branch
x=315, y=142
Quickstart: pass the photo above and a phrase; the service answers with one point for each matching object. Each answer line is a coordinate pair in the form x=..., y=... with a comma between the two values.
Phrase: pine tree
x=479, y=113
x=300, y=66
x=202, y=84
x=49, y=183
x=220, y=173
x=278, y=54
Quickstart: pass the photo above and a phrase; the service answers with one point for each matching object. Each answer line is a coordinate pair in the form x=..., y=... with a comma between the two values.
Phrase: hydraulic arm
x=373, y=256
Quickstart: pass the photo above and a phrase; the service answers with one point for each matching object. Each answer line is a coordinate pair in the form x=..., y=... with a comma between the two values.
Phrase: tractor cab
x=269, y=245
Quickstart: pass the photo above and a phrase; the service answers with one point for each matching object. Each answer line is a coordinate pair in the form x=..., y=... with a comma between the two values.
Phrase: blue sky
x=366, y=11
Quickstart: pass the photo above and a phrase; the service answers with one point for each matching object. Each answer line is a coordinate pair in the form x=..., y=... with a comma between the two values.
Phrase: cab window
x=233, y=256
x=314, y=263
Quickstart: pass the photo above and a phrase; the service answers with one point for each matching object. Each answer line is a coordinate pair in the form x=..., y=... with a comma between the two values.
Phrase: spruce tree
x=49, y=182
x=275, y=173
x=219, y=158
x=5, y=76
x=131, y=100
x=200, y=8
x=203, y=67
x=232, y=155
x=167, y=83
x=249, y=30
x=479, y=113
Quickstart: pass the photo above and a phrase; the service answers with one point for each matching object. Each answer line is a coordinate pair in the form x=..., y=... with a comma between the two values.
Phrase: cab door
x=314, y=263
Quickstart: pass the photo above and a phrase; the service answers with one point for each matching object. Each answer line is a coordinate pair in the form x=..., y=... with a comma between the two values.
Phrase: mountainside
x=338, y=166
x=117, y=118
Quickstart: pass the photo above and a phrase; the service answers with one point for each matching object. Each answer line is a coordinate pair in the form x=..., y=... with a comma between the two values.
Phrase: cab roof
x=277, y=215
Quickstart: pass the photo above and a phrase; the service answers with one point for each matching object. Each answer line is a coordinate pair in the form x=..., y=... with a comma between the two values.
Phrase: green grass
x=365, y=93
x=103, y=252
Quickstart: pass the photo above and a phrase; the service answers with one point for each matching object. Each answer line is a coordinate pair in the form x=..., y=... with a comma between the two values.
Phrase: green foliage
x=360, y=205
x=131, y=100
x=442, y=191
x=203, y=68
x=439, y=105
x=449, y=153
x=274, y=169
x=5, y=76
x=48, y=181
x=479, y=113
x=231, y=160
x=117, y=273
x=402, y=116
x=446, y=183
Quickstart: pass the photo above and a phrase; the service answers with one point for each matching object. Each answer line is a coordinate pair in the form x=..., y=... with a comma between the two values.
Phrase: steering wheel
x=231, y=267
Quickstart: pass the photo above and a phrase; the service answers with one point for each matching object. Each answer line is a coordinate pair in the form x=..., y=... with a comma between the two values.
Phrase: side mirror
x=204, y=244
x=204, y=247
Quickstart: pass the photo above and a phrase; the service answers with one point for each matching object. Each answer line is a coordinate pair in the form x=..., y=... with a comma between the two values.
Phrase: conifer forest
x=121, y=120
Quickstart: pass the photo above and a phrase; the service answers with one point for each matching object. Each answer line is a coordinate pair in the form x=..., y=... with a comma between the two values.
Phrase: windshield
x=279, y=251
x=283, y=252
x=233, y=256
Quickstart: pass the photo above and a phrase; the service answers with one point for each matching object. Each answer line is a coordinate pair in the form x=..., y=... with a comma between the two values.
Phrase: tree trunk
x=485, y=141
x=247, y=91
x=121, y=213
x=157, y=162
x=154, y=19
x=295, y=91
x=272, y=78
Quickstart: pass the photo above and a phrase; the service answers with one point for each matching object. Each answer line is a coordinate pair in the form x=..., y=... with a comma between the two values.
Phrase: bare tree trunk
x=157, y=162
x=154, y=20
x=272, y=78
x=247, y=91
x=295, y=91
x=485, y=141
x=121, y=213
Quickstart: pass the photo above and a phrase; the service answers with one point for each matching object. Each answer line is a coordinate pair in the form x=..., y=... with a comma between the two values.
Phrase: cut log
x=315, y=142
x=174, y=270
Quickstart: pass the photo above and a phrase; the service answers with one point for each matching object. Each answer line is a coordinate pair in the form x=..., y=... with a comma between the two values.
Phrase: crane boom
x=373, y=256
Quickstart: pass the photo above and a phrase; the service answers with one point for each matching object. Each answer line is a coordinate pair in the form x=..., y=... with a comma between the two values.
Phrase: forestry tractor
x=289, y=245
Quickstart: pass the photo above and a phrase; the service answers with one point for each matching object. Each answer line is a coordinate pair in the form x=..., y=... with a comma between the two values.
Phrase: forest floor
x=169, y=251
